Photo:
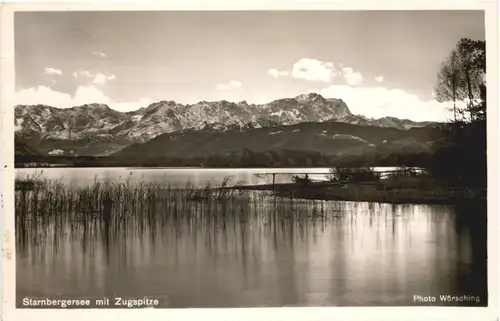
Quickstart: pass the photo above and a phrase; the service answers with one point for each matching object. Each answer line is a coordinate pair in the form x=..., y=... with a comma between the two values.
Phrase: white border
x=379, y=313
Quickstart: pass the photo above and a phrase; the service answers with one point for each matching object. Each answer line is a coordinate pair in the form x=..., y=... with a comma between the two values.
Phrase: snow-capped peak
x=309, y=97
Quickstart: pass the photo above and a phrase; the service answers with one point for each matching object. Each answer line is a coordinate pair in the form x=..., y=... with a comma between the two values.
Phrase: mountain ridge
x=97, y=129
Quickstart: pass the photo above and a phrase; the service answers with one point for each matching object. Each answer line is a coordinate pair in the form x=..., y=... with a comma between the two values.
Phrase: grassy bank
x=369, y=193
x=365, y=185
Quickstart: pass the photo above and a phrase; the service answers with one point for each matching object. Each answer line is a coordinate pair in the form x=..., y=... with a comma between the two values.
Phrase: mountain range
x=96, y=130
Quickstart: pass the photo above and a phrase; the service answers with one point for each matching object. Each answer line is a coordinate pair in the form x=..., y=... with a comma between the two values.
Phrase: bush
x=461, y=158
x=354, y=174
x=301, y=180
x=410, y=178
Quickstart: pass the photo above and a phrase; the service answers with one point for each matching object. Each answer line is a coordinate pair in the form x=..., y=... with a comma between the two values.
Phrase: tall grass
x=113, y=209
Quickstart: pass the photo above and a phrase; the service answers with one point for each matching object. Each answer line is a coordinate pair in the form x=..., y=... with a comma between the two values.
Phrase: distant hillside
x=329, y=138
x=96, y=129
x=24, y=152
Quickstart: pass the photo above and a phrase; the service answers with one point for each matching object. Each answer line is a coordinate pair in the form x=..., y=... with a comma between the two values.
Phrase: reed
x=112, y=209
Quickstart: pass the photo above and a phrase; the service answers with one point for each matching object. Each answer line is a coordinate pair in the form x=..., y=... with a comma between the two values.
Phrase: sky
x=381, y=63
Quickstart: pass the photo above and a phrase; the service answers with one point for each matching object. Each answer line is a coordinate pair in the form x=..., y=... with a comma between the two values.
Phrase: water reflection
x=277, y=253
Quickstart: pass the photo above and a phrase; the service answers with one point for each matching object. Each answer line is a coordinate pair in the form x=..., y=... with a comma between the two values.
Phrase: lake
x=269, y=252
x=175, y=176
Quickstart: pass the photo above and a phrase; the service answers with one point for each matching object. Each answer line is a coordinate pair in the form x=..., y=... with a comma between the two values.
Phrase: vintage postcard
x=295, y=160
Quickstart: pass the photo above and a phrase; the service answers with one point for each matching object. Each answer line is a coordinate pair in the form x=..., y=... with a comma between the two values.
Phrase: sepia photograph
x=250, y=159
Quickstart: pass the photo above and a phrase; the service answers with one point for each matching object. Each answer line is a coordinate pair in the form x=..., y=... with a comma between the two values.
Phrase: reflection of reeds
x=113, y=209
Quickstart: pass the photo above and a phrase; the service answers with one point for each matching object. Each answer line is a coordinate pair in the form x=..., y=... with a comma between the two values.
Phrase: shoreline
x=366, y=192
x=382, y=191
x=55, y=165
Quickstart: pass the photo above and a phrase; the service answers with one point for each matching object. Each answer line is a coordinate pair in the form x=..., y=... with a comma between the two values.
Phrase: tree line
x=246, y=158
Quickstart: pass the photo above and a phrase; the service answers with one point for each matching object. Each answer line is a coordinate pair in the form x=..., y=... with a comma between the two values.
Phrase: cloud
x=352, y=78
x=99, y=53
x=83, y=95
x=314, y=70
x=379, y=78
x=97, y=78
x=101, y=79
x=231, y=84
x=379, y=102
x=276, y=73
x=52, y=71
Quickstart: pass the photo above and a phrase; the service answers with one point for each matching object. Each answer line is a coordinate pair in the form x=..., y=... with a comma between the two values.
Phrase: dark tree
x=461, y=79
x=449, y=82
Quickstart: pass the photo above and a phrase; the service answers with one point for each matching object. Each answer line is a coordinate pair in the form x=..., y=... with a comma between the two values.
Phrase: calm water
x=321, y=254
x=175, y=176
